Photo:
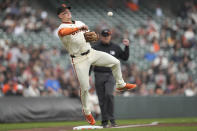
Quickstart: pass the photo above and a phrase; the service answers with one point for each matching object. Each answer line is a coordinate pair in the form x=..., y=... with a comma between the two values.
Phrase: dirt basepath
x=67, y=128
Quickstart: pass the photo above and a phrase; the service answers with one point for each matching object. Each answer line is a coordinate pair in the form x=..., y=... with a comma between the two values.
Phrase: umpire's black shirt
x=112, y=49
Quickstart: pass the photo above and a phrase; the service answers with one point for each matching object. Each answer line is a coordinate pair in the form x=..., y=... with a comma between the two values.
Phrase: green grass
x=12, y=126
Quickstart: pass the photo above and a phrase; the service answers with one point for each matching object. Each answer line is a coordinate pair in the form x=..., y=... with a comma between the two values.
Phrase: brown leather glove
x=91, y=36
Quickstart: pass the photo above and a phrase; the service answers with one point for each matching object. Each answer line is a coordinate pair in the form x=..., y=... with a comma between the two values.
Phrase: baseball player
x=72, y=33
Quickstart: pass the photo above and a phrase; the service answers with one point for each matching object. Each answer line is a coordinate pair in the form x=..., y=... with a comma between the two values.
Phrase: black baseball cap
x=105, y=32
x=62, y=8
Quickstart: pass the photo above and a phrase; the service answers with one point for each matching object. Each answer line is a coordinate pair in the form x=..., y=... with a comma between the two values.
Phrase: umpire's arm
x=124, y=55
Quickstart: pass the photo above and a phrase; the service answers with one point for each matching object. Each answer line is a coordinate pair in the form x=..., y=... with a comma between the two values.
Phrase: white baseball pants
x=82, y=65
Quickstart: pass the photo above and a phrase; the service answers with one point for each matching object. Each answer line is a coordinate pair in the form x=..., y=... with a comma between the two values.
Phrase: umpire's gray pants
x=104, y=83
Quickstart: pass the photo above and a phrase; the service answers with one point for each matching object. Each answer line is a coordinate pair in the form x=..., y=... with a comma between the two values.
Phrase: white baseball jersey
x=74, y=43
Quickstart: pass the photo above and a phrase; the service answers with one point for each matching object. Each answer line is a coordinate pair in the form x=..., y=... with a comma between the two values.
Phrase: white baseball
x=110, y=13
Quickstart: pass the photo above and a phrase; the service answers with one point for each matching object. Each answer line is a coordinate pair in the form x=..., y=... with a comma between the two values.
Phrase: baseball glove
x=91, y=36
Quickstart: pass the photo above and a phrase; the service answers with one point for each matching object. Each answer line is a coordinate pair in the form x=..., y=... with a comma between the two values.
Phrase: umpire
x=104, y=80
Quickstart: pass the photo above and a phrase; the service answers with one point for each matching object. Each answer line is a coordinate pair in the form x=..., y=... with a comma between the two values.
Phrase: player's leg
x=100, y=58
x=82, y=73
x=106, y=60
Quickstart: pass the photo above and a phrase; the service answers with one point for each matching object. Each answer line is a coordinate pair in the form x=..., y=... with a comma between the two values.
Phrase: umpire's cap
x=106, y=32
x=62, y=8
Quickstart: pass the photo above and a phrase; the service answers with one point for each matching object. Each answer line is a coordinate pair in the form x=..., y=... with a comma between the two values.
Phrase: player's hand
x=84, y=28
x=125, y=42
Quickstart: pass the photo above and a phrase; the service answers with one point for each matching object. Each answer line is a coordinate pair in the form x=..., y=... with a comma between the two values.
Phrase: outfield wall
x=19, y=109
x=155, y=107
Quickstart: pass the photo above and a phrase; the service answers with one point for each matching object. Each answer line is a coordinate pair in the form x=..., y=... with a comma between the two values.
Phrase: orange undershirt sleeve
x=67, y=31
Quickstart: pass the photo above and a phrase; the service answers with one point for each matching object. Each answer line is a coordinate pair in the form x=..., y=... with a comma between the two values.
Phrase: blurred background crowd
x=163, y=46
x=18, y=17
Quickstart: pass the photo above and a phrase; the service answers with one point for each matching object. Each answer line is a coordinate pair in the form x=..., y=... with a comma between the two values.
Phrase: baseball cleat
x=90, y=119
x=105, y=126
x=113, y=123
x=127, y=87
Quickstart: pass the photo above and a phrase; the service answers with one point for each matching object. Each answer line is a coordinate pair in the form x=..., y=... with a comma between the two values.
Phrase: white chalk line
x=138, y=125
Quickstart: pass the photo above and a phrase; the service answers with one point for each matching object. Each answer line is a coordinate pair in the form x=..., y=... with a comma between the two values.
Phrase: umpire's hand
x=125, y=42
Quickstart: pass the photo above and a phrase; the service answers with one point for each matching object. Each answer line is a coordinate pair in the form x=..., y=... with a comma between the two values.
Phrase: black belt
x=84, y=53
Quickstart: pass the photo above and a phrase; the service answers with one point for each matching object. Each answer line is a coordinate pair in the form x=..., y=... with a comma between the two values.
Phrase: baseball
x=110, y=13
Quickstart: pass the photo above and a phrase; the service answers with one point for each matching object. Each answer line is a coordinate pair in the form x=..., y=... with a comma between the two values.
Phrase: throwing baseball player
x=75, y=38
